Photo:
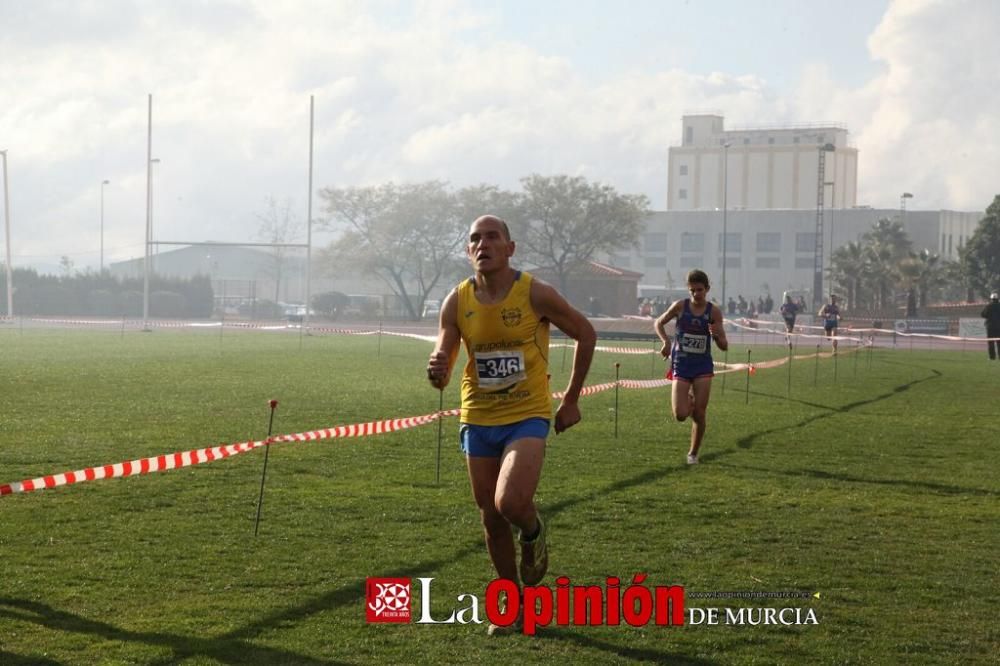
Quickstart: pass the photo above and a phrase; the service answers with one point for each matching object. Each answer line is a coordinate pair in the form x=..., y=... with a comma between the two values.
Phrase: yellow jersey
x=506, y=377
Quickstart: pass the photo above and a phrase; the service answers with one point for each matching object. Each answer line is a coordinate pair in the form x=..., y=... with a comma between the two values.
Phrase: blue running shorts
x=490, y=441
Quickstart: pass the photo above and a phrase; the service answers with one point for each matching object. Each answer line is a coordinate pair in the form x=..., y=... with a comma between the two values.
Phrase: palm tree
x=886, y=244
x=882, y=273
x=846, y=269
x=890, y=235
x=921, y=271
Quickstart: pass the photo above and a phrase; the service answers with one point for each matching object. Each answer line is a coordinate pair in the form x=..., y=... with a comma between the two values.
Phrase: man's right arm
x=442, y=359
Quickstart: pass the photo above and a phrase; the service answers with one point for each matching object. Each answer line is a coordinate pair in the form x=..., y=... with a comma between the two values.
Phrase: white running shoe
x=692, y=459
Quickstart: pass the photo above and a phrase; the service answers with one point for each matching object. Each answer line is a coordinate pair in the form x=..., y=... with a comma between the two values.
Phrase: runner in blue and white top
x=830, y=313
x=690, y=355
x=789, y=310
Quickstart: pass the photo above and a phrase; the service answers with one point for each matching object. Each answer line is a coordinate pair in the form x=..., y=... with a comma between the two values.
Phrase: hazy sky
x=468, y=92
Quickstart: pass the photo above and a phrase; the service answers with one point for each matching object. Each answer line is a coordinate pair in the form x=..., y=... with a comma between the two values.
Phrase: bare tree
x=565, y=221
x=278, y=224
x=409, y=235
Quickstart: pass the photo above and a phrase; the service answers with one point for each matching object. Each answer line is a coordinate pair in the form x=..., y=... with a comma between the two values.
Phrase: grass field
x=878, y=489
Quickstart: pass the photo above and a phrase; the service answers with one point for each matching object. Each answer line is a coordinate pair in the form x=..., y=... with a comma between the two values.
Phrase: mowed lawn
x=878, y=488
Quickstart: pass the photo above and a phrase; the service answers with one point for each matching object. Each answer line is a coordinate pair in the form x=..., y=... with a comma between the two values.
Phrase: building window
x=692, y=261
x=654, y=262
x=804, y=262
x=684, y=169
x=771, y=140
x=734, y=243
x=942, y=243
x=768, y=241
x=731, y=262
x=682, y=193
x=692, y=242
x=805, y=242
x=688, y=135
x=949, y=244
x=768, y=262
x=655, y=243
x=746, y=142
x=795, y=140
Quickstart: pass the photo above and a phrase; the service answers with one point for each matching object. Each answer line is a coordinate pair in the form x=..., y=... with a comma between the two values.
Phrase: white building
x=761, y=168
x=772, y=250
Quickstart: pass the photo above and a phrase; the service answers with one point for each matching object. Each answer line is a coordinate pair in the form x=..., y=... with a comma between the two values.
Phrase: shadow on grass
x=233, y=647
x=646, y=655
x=748, y=441
x=223, y=650
x=915, y=485
x=11, y=659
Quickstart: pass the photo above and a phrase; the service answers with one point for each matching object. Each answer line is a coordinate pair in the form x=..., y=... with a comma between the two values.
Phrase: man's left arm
x=551, y=305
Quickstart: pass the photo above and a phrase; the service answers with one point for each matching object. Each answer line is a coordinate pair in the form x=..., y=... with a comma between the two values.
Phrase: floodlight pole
x=833, y=205
x=902, y=206
x=149, y=206
x=309, y=217
x=6, y=215
x=103, y=183
x=725, y=206
x=818, y=253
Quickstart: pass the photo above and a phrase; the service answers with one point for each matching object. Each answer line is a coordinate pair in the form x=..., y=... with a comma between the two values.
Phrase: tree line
x=412, y=236
x=101, y=294
x=871, y=273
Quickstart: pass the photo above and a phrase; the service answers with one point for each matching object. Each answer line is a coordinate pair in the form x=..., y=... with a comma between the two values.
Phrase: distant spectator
x=911, y=303
x=731, y=306
x=991, y=315
x=768, y=304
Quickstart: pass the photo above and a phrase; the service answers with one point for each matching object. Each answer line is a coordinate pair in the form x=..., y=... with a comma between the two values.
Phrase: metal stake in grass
x=437, y=478
x=617, y=366
x=834, y=366
x=273, y=404
x=378, y=353
x=749, y=372
x=816, y=372
x=725, y=372
x=789, y=370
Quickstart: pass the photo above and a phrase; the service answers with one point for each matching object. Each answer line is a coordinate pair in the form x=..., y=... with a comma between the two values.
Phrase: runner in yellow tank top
x=503, y=342
x=503, y=317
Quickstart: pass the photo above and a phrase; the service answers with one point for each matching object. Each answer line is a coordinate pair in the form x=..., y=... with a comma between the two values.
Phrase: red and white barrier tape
x=177, y=460
x=745, y=325
x=613, y=350
x=208, y=454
